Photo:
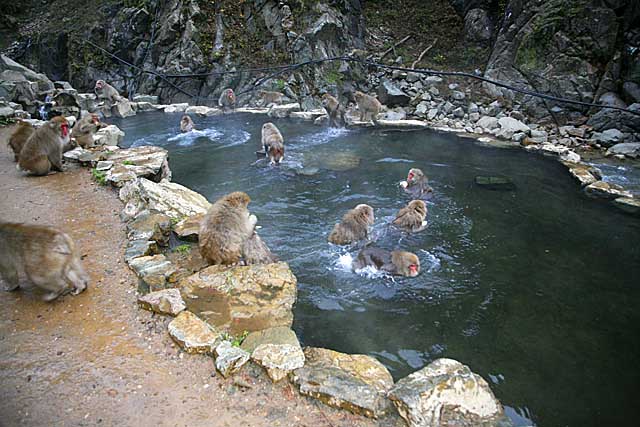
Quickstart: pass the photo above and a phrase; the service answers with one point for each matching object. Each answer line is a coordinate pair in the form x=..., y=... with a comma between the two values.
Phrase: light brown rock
x=193, y=334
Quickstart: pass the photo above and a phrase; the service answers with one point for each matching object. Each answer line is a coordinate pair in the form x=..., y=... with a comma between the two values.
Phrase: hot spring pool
x=537, y=289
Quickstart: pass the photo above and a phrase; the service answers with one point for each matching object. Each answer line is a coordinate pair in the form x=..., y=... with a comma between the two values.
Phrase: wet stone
x=284, y=110
x=230, y=359
x=585, y=174
x=139, y=248
x=193, y=334
x=606, y=190
x=110, y=135
x=495, y=183
x=188, y=228
x=628, y=204
x=150, y=226
x=446, y=393
x=166, y=301
x=355, y=382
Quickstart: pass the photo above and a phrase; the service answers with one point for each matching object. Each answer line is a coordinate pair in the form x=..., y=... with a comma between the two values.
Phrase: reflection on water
x=535, y=289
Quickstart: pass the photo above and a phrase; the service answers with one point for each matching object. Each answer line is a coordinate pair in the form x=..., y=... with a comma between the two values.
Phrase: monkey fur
x=334, y=110
x=417, y=184
x=353, y=227
x=19, y=137
x=412, y=217
x=399, y=263
x=368, y=106
x=43, y=150
x=84, y=130
x=186, y=124
x=227, y=100
x=273, y=143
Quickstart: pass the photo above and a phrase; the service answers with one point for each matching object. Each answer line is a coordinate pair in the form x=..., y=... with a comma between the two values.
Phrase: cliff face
x=581, y=49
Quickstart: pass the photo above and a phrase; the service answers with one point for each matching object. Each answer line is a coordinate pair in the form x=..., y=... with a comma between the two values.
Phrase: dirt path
x=98, y=360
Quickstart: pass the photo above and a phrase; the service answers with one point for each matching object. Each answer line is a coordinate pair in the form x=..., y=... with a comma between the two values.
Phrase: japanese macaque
x=417, y=184
x=84, y=130
x=334, y=110
x=368, y=106
x=353, y=227
x=18, y=138
x=46, y=255
x=269, y=98
x=400, y=263
x=43, y=150
x=106, y=93
x=225, y=229
x=186, y=124
x=255, y=251
x=412, y=217
x=273, y=143
x=227, y=100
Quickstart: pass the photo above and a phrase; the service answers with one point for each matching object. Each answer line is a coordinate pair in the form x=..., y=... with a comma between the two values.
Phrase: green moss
x=128, y=162
x=236, y=340
x=99, y=176
x=182, y=249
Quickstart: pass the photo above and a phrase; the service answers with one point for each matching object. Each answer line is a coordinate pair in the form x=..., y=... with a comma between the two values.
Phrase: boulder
x=284, y=110
x=355, y=382
x=188, y=228
x=606, y=190
x=612, y=99
x=277, y=350
x=203, y=111
x=110, y=135
x=229, y=359
x=146, y=98
x=154, y=272
x=390, y=95
x=495, y=183
x=176, y=108
x=140, y=248
x=628, y=204
x=629, y=149
x=608, y=137
x=87, y=101
x=477, y=25
x=585, y=174
x=615, y=119
x=509, y=126
x=310, y=115
x=236, y=299
x=150, y=226
x=193, y=334
x=446, y=393
x=166, y=301
x=146, y=162
x=122, y=109
x=487, y=122
x=631, y=91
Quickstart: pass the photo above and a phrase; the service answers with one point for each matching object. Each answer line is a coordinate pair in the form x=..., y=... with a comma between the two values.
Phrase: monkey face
x=367, y=212
x=95, y=119
x=414, y=175
x=100, y=84
x=414, y=270
x=230, y=95
x=419, y=206
x=61, y=125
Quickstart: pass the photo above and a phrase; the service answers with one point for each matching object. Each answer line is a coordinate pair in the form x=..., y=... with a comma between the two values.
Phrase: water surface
x=536, y=289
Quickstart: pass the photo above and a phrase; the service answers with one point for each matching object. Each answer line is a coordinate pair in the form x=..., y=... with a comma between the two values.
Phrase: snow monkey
x=47, y=256
x=18, y=138
x=86, y=127
x=400, y=263
x=186, y=124
x=255, y=251
x=334, y=110
x=225, y=229
x=368, y=105
x=417, y=184
x=353, y=227
x=412, y=217
x=273, y=143
x=227, y=100
x=106, y=93
x=269, y=98
x=43, y=150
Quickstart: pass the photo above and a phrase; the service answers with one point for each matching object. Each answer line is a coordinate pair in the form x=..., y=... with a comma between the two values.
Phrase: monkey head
x=326, y=100
x=99, y=84
x=276, y=153
x=366, y=213
x=231, y=97
x=406, y=263
x=237, y=199
x=61, y=126
x=415, y=175
x=359, y=96
x=419, y=206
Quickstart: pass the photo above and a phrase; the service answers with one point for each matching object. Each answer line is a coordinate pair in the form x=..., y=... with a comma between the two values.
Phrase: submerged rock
x=230, y=359
x=242, y=298
x=606, y=190
x=446, y=393
x=628, y=205
x=193, y=334
x=495, y=183
x=629, y=149
x=166, y=301
x=355, y=382
x=584, y=173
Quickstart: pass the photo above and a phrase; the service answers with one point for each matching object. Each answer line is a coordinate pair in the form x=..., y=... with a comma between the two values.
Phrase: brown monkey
x=269, y=98
x=84, y=130
x=255, y=251
x=43, y=150
x=353, y=227
x=400, y=263
x=227, y=100
x=18, y=138
x=368, y=105
x=334, y=110
x=417, y=184
x=47, y=256
x=186, y=124
x=273, y=143
x=412, y=217
x=106, y=93
x=225, y=229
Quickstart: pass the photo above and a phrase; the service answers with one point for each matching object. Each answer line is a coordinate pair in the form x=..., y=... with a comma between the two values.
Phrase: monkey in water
x=412, y=217
x=399, y=263
x=353, y=227
x=43, y=150
x=417, y=184
x=106, y=93
x=19, y=137
x=225, y=229
x=334, y=110
x=186, y=124
x=269, y=98
x=368, y=105
x=46, y=255
x=227, y=100
x=84, y=130
x=272, y=143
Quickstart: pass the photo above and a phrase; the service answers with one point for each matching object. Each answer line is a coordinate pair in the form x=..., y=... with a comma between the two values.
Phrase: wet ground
x=97, y=359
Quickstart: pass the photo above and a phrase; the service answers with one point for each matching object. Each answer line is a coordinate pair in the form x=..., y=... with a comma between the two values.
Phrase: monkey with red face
x=417, y=184
x=227, y=100
x=43, y=150
x=399, y=263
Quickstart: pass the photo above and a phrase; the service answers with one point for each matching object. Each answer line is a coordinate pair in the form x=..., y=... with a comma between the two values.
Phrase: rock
x=612, y=99
x=458, y=112
x=321, y=121
x=606, y=190
x=171, y=199
x=355, y=382
x=250, y=298
x=570, y=156
x=110, y=135
x=473, y=108
x=579, y=132
x=432, y=113
x=628, y=204
x=75, y=154
x=176, y=108
x=193, y=334
x=433, y=80
x=457, y=95
x=434, y=91
x=539, y=136
x=152, y=99
x=122, y=109
x=104, y=165
x=203, y=111
x=146, y=162
x=154, y=272
x=229, y=359
x=583, y=173
x=389, y=94
x=275, y=349
x=608, y=137
x=422, y=108
x=494, y=108
x=283, y=110
x=447, y=107
x=446, y=393
x=510, y=126
x=631, y=91
x=393, y=115
x=518, y=137
x=143, y=106
x=487, y=122
x=495, y=183
x=166, y=301
x=188, y=228
x=87, y=101
x=616, y=119
x=477, y=25
x=310, y=115
x=279, y=335
x=150, y=226
x=629, y=149
x=403, y=124
x=140, y=248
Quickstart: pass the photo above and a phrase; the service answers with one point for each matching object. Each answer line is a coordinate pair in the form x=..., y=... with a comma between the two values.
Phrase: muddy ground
x=96, y=359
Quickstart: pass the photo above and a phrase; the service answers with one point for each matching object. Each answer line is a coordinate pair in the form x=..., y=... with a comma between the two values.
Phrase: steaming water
x=537, y=289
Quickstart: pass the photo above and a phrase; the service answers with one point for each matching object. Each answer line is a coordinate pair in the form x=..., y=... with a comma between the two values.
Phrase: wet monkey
x=186, y=124
x=272, y=143
x=353, y=227
x=412, y=217
x=334, y=110
x=269, y=98
x=18, y=138
x=368, y=106
x=400, y=263
x=227, y=100
x=417, y=184
x=43, y=150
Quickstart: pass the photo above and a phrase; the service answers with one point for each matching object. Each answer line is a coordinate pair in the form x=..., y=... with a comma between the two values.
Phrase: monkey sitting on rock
x=227, y=100
x=86, y=128
x=43, y=150
x=368, y=106
x=399, y=263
